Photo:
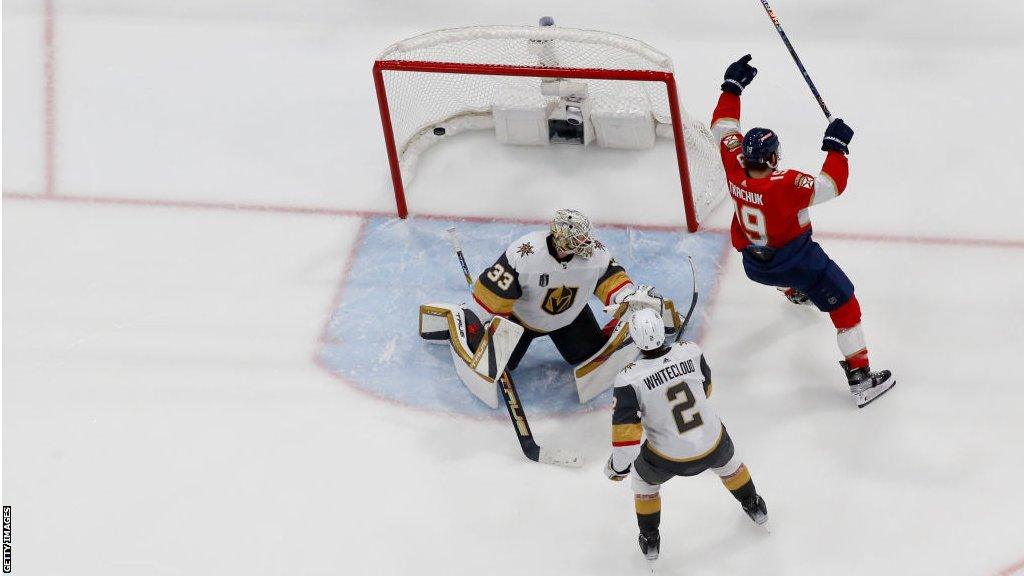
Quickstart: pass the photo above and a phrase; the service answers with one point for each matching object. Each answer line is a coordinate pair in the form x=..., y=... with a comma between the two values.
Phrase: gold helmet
x=570, y=230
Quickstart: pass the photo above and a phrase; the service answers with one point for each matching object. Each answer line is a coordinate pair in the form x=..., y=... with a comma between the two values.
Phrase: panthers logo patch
x=732, y=142
x=804, y=181
x=560, y=299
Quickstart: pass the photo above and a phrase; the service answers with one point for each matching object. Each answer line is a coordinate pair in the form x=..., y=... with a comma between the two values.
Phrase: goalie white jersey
x=541, y=291
x=670, y=393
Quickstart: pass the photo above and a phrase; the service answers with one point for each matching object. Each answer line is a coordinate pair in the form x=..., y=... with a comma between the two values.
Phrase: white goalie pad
x=478, y=370
x=597, y=373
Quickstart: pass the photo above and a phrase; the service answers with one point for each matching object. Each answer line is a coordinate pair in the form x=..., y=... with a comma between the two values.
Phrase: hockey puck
x=439, y=130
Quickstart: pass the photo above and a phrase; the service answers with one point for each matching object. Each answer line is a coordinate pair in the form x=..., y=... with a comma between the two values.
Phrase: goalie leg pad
x=597, y=373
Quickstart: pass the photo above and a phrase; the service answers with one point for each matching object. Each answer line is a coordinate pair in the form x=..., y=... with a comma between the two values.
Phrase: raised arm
x=831, y=181
x=726, y=119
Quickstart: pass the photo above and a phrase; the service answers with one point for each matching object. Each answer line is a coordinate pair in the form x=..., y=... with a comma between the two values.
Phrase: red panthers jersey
x=770, y=211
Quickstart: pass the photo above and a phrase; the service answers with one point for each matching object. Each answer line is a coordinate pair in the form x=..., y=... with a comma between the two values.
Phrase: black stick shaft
x=693, y=301
x=518, y=417
x=799, y=64
x=508, y=387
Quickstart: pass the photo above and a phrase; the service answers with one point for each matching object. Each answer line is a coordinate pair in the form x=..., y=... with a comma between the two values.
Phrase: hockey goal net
x=534, y=85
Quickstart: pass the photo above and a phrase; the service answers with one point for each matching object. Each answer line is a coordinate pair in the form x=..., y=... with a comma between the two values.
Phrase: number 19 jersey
x=670, y=392
x=770, y=211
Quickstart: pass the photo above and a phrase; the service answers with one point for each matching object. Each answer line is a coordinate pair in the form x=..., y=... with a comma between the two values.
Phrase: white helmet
x=647, y=329
x=570, y=230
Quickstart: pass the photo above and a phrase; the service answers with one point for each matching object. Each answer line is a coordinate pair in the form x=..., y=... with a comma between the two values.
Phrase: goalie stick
x=531, y=449
x=693, y=301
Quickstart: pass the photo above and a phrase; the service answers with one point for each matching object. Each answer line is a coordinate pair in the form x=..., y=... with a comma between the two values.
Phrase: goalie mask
x=570, y=230
x=647, y=329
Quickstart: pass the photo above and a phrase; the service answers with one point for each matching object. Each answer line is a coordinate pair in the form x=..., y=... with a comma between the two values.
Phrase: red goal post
x=438, y=61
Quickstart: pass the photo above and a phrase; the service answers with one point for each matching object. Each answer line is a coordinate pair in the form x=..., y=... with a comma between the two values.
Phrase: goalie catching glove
x=641, y=296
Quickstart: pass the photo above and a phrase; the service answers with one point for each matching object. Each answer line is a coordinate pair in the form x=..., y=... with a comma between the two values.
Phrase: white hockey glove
x=613, y=474
x=642, y=296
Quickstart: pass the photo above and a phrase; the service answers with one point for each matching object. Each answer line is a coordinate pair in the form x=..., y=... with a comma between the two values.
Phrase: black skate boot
x=866, y=385
x=756, y=509
x=650, y=544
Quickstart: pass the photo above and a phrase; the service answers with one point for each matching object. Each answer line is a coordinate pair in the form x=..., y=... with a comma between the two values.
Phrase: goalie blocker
x=481, y=353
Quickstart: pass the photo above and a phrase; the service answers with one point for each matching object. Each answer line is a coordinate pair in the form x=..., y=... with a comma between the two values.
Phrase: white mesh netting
x=420, y=102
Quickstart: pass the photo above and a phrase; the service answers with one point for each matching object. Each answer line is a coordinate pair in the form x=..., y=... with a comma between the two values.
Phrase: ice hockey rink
x=210, y=359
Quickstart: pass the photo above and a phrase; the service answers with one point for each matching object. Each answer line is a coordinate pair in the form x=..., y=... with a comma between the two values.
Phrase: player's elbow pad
x=723, y=127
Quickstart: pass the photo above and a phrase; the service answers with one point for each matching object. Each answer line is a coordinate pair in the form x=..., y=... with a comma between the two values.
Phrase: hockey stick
x=799, y=64
x=693, y=302
x=508, y=391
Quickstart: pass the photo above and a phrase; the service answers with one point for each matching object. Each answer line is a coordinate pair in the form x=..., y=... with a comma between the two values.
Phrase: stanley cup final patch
x=560, y=299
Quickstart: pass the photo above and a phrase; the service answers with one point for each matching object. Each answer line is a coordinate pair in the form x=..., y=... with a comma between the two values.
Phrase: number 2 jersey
x=770, y=211
x=667, y=397
x=544, y=292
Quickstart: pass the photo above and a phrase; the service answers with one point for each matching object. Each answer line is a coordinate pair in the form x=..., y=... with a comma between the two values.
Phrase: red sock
x=846, y=319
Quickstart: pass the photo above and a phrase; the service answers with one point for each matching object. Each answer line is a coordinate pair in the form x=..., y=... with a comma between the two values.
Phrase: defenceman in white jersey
x=665, y=394
x=543, y=282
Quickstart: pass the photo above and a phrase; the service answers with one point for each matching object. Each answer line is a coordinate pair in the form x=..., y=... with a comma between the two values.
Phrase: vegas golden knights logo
x=560, y=299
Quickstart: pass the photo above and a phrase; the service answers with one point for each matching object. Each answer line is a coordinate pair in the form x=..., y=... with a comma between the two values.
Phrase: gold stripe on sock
x=648, y=504
x=736, y=481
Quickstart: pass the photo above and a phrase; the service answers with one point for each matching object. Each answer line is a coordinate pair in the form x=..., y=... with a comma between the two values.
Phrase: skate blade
x=879, y=395
x=762, y=524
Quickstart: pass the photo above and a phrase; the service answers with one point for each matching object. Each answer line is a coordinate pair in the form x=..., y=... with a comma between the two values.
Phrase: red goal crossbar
x=380, y=66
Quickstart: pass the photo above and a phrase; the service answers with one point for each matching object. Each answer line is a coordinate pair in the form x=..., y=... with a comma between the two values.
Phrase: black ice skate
x=650, y=544
x=756, y=509
x=866, y=385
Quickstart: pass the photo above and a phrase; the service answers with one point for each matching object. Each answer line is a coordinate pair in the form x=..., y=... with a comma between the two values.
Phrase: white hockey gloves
x=613, y=474
x=621, y=461
x=642, y=296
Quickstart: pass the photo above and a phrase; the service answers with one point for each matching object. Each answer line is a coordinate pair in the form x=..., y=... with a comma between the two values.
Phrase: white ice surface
x=163, y=413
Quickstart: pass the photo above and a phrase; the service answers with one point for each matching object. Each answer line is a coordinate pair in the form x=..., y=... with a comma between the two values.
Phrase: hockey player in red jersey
x=771, y=225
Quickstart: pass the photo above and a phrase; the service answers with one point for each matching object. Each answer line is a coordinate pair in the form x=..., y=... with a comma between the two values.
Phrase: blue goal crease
x=372, y=337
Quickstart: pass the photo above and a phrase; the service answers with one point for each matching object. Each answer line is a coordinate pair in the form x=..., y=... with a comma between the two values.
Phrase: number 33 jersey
x=542, y=291
x=770, y=211
x=667, y=397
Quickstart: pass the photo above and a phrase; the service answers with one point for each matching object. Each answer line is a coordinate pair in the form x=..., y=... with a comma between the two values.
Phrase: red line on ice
x=332, y=211
x=1012, y=569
